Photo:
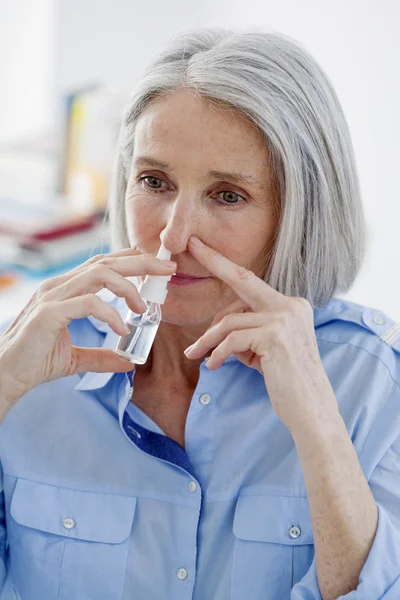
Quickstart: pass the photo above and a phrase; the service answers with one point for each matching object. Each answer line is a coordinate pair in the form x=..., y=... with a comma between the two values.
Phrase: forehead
x=184, y=124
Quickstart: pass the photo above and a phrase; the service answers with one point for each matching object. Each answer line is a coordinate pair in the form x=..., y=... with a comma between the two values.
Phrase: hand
x=37, y=347
x=271, y=333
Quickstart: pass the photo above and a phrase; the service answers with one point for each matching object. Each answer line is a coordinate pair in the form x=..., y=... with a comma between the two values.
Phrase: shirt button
x=68, y=523
x=295, y=532
x=135, y=433
x=205, y=399
x=192, y=486
x=182, y=573
x=378, y=321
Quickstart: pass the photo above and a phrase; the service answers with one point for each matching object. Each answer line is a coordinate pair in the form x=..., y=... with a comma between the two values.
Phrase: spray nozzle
x=163, y=252
x=154, y=287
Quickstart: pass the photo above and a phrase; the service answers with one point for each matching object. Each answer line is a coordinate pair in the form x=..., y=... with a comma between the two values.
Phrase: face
x=202, y=170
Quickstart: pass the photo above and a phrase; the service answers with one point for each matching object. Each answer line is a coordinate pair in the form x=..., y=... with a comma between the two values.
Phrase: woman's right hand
x=37, y=347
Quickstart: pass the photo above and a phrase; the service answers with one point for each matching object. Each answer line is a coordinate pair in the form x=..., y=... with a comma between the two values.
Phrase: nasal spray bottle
x=136, y=345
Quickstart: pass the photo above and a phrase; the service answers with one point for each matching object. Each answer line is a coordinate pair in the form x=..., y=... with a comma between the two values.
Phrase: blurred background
x=67, y=68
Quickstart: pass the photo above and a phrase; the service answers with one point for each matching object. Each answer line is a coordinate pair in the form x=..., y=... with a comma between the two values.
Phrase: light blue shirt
x=98, y=503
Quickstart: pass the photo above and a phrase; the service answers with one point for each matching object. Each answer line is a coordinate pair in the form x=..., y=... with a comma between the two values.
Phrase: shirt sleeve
x=380, y=576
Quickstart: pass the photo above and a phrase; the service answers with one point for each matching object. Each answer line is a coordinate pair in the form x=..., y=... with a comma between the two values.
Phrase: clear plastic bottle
x=136, y=345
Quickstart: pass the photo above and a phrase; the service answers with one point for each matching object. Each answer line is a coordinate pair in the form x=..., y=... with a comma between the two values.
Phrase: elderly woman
x=271, y=470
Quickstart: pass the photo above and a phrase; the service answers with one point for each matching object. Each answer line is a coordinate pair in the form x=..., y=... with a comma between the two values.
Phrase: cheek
x=246, y=246
x=140, y=222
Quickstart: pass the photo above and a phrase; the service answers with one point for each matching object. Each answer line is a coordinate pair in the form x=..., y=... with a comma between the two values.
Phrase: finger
x=51, y=282
x=60, y=314
x=214, y=336
x=93, y=280
x=154, y=266
x=250, y=288
x=143, y=264
x=99, y=257
x=98, y=360
x=238, y=306
x=93, y=276
x=236, y=342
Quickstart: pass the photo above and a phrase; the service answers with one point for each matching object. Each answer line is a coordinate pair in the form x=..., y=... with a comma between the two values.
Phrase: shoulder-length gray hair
x=275, y=83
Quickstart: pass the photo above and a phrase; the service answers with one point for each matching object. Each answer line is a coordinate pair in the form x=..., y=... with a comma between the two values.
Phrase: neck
x=167, y=363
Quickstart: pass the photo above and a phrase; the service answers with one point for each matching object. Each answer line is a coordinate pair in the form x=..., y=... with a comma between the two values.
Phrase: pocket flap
x=276, y=519
x=72, y=513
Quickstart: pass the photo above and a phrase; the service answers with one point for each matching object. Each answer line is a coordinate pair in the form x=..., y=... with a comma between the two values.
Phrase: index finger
x=250, y=288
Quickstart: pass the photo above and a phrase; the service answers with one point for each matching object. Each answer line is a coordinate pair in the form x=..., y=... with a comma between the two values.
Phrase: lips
x=186, y=276
x=180, y=280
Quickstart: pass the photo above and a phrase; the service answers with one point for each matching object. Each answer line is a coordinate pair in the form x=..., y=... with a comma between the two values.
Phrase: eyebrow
x=235, y=177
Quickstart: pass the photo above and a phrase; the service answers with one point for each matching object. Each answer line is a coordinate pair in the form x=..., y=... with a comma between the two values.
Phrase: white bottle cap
x=154, y=287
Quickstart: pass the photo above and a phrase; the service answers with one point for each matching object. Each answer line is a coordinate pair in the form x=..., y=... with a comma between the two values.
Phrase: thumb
x=98, y=360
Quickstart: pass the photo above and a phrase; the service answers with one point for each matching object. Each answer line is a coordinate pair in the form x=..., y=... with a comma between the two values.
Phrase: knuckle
x=42, y=310
x=73, y=366
x=36, y=314
x=300, y=303
x=244, y=274
x=275, y=333
x=284, y=318
x=45, y=285
x=281, y=324
x=226, y=321
x=93, y=259
x=232, y=337
x=105, y=261
x=91, y=301
x=96, y=258
x=100, y=271
x=305, y=305
x=43, y=288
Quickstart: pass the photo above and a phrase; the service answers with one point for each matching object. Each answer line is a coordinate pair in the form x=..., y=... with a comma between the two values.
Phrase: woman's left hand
x=276, y=337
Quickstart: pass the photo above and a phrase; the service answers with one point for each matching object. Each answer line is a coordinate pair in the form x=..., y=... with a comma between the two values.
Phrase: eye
x=230, y=198
x=151, y=183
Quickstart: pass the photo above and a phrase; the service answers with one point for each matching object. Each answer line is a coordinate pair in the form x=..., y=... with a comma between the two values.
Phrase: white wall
x=111, y=41
x=26, y=67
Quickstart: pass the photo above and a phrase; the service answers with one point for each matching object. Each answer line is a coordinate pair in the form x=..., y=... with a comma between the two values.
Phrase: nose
x=182, y=221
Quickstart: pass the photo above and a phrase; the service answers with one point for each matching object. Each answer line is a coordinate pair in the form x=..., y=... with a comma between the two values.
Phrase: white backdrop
x=26, y=67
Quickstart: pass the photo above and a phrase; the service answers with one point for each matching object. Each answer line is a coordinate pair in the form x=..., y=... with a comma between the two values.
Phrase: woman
x=270, y=472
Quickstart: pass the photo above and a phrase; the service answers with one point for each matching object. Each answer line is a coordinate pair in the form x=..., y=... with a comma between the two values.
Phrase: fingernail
x=188, y=350
x=195, y=241
x=171, y=263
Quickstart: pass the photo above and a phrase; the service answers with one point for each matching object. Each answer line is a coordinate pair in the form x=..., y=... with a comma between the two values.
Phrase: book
x=38, y=256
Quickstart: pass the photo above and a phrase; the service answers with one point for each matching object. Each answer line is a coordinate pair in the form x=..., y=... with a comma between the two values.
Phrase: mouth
x=185, y=279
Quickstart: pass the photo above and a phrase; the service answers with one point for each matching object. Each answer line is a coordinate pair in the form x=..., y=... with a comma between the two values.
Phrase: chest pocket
x=68, y=544
x=273, y=546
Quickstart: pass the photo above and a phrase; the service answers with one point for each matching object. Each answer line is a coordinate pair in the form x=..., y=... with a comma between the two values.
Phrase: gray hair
x=275, y=83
